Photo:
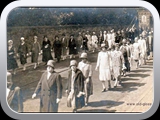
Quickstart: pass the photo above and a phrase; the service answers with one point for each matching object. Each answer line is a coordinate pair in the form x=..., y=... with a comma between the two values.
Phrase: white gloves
x=80, y=94
x=34, y=95
x=58, y=100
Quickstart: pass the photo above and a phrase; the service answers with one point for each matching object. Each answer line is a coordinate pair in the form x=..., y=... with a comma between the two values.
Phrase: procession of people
x=116, y=53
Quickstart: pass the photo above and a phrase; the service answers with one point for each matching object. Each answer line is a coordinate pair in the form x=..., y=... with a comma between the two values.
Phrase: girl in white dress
x=109, y=39
x=117, y=63
x=136, y=52
x=143, y=49
x=103, y=63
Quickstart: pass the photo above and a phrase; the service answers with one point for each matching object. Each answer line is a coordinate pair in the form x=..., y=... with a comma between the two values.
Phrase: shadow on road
x=131, y=86
x=107, y=103
x=128, y=79
x=137, y=71
x=138, y=75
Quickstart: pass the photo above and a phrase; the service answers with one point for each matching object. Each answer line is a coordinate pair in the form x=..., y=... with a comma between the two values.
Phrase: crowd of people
x=117, y=51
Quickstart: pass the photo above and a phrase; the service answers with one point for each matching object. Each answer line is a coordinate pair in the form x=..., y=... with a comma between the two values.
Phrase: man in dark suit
x=14, y=95
x=50, y=86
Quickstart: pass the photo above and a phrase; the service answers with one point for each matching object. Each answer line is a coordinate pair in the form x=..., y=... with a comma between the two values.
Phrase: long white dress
x=136, y=51
x=103, y=62
x=94, y=41
x=143, y=47
x=109, y=39
x=117, y=61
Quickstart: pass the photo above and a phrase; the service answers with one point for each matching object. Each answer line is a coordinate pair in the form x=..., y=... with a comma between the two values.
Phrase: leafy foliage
x=69, y=16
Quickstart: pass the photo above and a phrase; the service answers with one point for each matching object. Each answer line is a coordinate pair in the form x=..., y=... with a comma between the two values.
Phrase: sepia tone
x=135, y=94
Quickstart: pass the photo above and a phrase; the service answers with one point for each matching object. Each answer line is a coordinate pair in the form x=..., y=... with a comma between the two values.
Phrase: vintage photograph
x=80, y=60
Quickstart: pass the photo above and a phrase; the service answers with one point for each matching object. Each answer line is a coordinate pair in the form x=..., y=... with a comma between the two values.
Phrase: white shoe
x=24, y=68
x=35, y=67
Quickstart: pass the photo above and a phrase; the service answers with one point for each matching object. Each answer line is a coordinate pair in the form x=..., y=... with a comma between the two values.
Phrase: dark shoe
x=109, y=88
x=104, y=90
x=74, y=111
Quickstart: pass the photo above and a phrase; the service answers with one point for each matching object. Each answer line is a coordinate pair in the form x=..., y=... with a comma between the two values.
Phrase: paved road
x=135, y=94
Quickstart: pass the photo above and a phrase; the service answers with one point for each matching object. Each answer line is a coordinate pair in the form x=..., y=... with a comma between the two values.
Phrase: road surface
x=135, y=94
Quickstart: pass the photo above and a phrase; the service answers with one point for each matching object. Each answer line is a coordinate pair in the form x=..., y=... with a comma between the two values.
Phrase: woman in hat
x=35, y=51
x=149, y=44
x=50, y=86
x=103, y=64
x=23, y=53
x=57, y=46
x=46, y=50
x=143, y=49
x=94, y=42
x=109, y=39
x=11, y=61
x=64, y=46
x=136, y=52
x=117, y=62
x=72, y=45
x=75, y=87
x=85, y=66
x=14, y=95
x=84, y=43
x=126, y=54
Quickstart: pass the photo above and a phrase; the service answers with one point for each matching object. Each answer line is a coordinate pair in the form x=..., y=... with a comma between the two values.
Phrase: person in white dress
x=142, y=43
x=103, y=65
x=113, y=34
x=94, y=42
x=136, y=52
x=85, y=66
x=126, y=54
x=117, y=63
x=89, y=43
x=109, y=39
x=104, y=35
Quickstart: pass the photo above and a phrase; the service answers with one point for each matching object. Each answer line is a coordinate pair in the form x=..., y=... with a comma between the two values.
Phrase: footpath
x=135, y=95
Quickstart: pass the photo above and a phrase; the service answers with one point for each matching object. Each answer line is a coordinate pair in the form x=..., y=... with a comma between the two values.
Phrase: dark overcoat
x=78, y=86
x=46, y=49
x=11, y=61
x=149, y=44
x=71, y=45
x=64, y=45
x=35, y=49
x=15, y=98
x=50, y=90
x=23, y=50
x=57, y=46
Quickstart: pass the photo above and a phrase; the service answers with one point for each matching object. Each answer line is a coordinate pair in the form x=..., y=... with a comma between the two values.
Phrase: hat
x=116, y=44
x=35, y=36
x=124, y=40
x=103, y=45
x=10, y=41
x=9, y=75
x=22, y=38
x=50, y=63
x=83, y=55
x=73, y=63
x=136, y=38
x=112, y=30
x=9, y=80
